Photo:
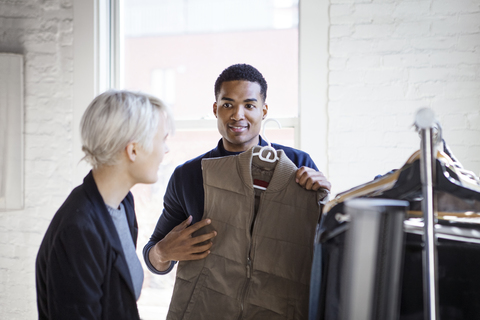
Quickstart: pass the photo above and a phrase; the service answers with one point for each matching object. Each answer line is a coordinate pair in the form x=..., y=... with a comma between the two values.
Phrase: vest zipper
x=248, y=267
x=248, y=270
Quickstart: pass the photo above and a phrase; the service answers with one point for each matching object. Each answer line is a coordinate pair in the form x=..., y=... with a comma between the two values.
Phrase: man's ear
x=215, y=109
x=131, y=150
x=265, y=110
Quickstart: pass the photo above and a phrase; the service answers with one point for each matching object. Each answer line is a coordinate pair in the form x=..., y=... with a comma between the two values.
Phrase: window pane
x=176, y=49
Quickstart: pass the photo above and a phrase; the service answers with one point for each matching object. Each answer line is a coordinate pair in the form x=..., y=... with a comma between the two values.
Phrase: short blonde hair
x=117, y=117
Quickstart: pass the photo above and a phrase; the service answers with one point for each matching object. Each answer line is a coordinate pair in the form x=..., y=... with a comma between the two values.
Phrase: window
x=176, y=50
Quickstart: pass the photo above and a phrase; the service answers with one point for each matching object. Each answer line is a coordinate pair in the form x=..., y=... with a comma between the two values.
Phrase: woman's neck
x=112, y=184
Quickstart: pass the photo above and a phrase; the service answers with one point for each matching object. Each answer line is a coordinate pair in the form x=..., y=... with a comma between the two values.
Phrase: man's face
x=239, y=110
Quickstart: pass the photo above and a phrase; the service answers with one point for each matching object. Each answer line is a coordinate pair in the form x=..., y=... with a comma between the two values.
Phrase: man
x=240, y=107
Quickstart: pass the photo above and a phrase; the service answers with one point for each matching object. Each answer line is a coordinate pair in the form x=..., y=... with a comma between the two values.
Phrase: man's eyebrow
x=246, y=100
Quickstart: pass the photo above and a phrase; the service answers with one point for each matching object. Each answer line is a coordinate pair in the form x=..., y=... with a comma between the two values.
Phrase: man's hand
x=180, y=245
x=311, y=179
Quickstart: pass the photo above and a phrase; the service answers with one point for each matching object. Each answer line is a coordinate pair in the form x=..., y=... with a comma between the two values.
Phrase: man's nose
x=238, y=113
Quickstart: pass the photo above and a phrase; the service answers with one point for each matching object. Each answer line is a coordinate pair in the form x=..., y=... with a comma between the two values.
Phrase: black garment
x=81, y=271
x=458, y=279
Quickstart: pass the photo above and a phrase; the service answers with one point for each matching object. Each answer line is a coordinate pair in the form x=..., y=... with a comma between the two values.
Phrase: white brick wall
x=43, y=32
x=388, y=59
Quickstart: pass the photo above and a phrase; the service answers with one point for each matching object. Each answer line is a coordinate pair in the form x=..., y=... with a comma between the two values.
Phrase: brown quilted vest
x=260, y=261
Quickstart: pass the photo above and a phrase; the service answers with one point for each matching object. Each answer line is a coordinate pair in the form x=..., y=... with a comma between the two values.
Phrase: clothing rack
x=441, y=231
x=425, y=122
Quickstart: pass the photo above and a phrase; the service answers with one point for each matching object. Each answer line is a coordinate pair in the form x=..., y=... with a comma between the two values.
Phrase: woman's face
x=147, y=163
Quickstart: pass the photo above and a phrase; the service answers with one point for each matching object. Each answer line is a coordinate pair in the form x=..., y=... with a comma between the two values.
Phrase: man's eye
x=227, y=105
x=250, y=106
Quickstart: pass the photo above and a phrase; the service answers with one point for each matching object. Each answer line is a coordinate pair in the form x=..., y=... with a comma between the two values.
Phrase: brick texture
x=42, y=31
x=387, y=60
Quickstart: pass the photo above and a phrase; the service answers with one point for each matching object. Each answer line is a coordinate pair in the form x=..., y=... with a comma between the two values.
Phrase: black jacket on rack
x=458, y=246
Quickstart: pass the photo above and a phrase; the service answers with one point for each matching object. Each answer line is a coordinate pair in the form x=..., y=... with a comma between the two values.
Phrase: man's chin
x=239, y=145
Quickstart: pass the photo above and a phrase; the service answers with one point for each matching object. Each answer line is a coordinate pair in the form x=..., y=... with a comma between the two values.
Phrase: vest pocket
x=195, y=295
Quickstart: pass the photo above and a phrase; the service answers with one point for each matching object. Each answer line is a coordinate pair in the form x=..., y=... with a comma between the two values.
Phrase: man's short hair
x=117, y=117
x=244, y=72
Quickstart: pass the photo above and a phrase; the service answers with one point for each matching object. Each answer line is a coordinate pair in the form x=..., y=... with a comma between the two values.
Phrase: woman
x=87, y=267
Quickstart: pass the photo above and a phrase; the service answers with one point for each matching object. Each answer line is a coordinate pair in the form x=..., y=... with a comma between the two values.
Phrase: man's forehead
x=247, y=89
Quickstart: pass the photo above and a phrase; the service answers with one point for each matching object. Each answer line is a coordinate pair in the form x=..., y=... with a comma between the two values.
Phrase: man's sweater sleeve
x=172, y=215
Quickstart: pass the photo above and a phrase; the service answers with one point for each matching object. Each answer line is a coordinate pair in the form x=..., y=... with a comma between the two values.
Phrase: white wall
x=387, y=59
x=43, y=32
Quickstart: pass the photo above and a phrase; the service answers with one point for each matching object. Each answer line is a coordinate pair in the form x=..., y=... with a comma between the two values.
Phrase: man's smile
x=237, y=128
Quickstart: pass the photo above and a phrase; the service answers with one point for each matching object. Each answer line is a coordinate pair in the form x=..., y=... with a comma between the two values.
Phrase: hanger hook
x=265, y=125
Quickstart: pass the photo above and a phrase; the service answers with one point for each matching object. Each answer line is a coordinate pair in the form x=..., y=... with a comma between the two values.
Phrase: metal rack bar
x=425, y=120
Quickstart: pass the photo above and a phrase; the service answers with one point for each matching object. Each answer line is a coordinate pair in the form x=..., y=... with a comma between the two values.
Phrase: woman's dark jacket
x=81, y=271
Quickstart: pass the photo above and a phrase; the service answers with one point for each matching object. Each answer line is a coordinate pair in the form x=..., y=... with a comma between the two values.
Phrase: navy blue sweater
x=185, y=195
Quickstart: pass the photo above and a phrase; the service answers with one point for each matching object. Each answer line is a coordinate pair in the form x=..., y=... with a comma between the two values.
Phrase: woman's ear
x=131, y=150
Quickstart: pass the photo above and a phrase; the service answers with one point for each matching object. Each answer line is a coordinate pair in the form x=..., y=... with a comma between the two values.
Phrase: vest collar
x=284, y=168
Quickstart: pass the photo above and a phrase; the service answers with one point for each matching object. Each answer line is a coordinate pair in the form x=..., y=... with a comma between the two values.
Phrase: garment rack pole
x=425, y=120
